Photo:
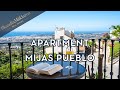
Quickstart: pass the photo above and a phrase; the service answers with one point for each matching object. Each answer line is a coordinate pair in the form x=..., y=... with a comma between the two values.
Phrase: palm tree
x=116, y=31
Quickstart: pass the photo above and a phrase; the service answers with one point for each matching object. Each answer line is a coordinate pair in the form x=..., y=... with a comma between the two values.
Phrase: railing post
x=92, y=69
x=85, y=61
x=111, y=73
x=22, y=59
x=99, y=40
x=53, y=54
x=62, y=54
x=105, y=59
x=9, y=44
x=62, y=49
x=33, y=54
x=78, y=61
x=119, y=61
x=70, y=50
x=99, y=47
x=43, y=48
x=100, y=62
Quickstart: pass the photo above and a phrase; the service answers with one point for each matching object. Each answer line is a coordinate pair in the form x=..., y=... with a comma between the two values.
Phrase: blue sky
x=73, y=20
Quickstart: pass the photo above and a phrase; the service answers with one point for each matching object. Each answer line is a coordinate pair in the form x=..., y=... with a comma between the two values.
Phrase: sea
x=47, y=33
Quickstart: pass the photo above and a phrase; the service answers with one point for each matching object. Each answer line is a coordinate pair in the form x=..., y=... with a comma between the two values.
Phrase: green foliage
x=27, y=64
x=4, y=71
x=90, y=43
x=16, y=69
x=16, y=64
x=4, y=58
x=96, y=75
x=116, y=31
x=1, y=53
x=115, y=49
x=15, y=54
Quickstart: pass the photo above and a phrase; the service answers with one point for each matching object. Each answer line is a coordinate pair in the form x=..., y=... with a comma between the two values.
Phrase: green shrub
x=16, y=69
x=4, y=71
x=90, y=43
x=4, y=59
x=115, y=50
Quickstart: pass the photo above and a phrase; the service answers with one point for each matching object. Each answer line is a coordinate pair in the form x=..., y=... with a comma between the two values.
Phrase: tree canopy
x=116, y=31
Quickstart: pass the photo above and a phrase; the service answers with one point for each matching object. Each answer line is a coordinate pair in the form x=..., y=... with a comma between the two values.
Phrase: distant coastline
x=48, y=33
x=29, y=36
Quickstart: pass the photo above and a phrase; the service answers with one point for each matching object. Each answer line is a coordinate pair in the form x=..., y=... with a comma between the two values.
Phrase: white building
x=61, y=32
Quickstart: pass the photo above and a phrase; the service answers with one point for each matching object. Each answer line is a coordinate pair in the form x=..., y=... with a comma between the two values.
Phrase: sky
x=72, y=20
